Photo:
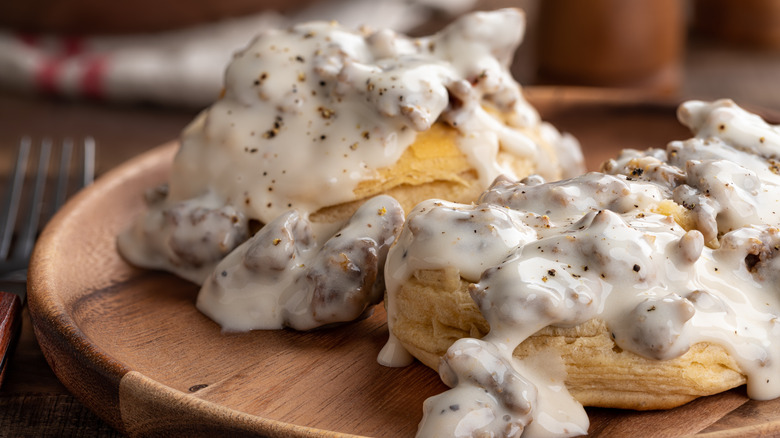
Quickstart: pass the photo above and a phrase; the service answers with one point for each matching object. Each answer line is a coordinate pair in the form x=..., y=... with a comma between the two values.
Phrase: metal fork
x=24, y=211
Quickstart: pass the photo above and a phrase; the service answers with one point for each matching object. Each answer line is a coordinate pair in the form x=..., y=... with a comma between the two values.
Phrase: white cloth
x=178, y=68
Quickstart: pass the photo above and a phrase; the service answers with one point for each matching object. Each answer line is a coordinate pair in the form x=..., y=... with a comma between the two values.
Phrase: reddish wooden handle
x=10, y=323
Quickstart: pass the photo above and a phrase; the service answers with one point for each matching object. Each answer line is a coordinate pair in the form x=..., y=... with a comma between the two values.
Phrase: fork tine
x=89, y=162
x=13, y=198
x=64, y=179
x=62, y=175
x=29, y=231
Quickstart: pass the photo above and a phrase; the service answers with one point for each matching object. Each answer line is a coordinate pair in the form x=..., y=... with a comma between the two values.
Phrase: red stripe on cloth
x=28, y=39
x=93, y=76
x=72, y=45
x=47, y=73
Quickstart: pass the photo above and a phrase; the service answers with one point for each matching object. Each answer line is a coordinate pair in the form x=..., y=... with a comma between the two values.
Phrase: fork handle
x=10, y=325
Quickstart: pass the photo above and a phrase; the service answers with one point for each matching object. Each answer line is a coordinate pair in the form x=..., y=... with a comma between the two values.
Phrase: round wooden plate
x=131, y=346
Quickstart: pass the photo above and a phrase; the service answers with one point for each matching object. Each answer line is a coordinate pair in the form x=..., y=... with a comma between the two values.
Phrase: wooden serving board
x=131, y=346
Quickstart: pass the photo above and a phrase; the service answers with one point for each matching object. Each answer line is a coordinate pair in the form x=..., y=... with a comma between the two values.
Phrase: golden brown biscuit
x=433, y=167
x=435, y=309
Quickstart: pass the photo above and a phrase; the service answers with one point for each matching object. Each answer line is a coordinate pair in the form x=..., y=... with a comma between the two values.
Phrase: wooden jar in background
x=752, y=23
x=611, y=43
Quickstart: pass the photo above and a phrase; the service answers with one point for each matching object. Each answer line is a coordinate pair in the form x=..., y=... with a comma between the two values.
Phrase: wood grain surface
x=131, y=346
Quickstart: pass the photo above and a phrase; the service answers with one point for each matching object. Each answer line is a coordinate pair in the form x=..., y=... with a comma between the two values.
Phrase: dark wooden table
x=32, y=401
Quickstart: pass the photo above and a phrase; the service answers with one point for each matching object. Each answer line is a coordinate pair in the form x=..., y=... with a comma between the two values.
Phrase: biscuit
x=434, y=309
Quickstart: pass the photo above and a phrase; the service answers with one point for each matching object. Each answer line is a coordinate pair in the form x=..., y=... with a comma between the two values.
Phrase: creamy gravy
x=596, y=245
x=311, y=111
x=281, y=277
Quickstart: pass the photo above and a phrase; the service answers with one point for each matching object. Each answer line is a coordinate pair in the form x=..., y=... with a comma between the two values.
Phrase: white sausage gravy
x=307, y=114
x=607, y=245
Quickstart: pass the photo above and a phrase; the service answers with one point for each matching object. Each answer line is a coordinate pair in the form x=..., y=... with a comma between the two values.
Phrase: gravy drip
x=311, y=111
x=282, y=277
x=606, y=245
